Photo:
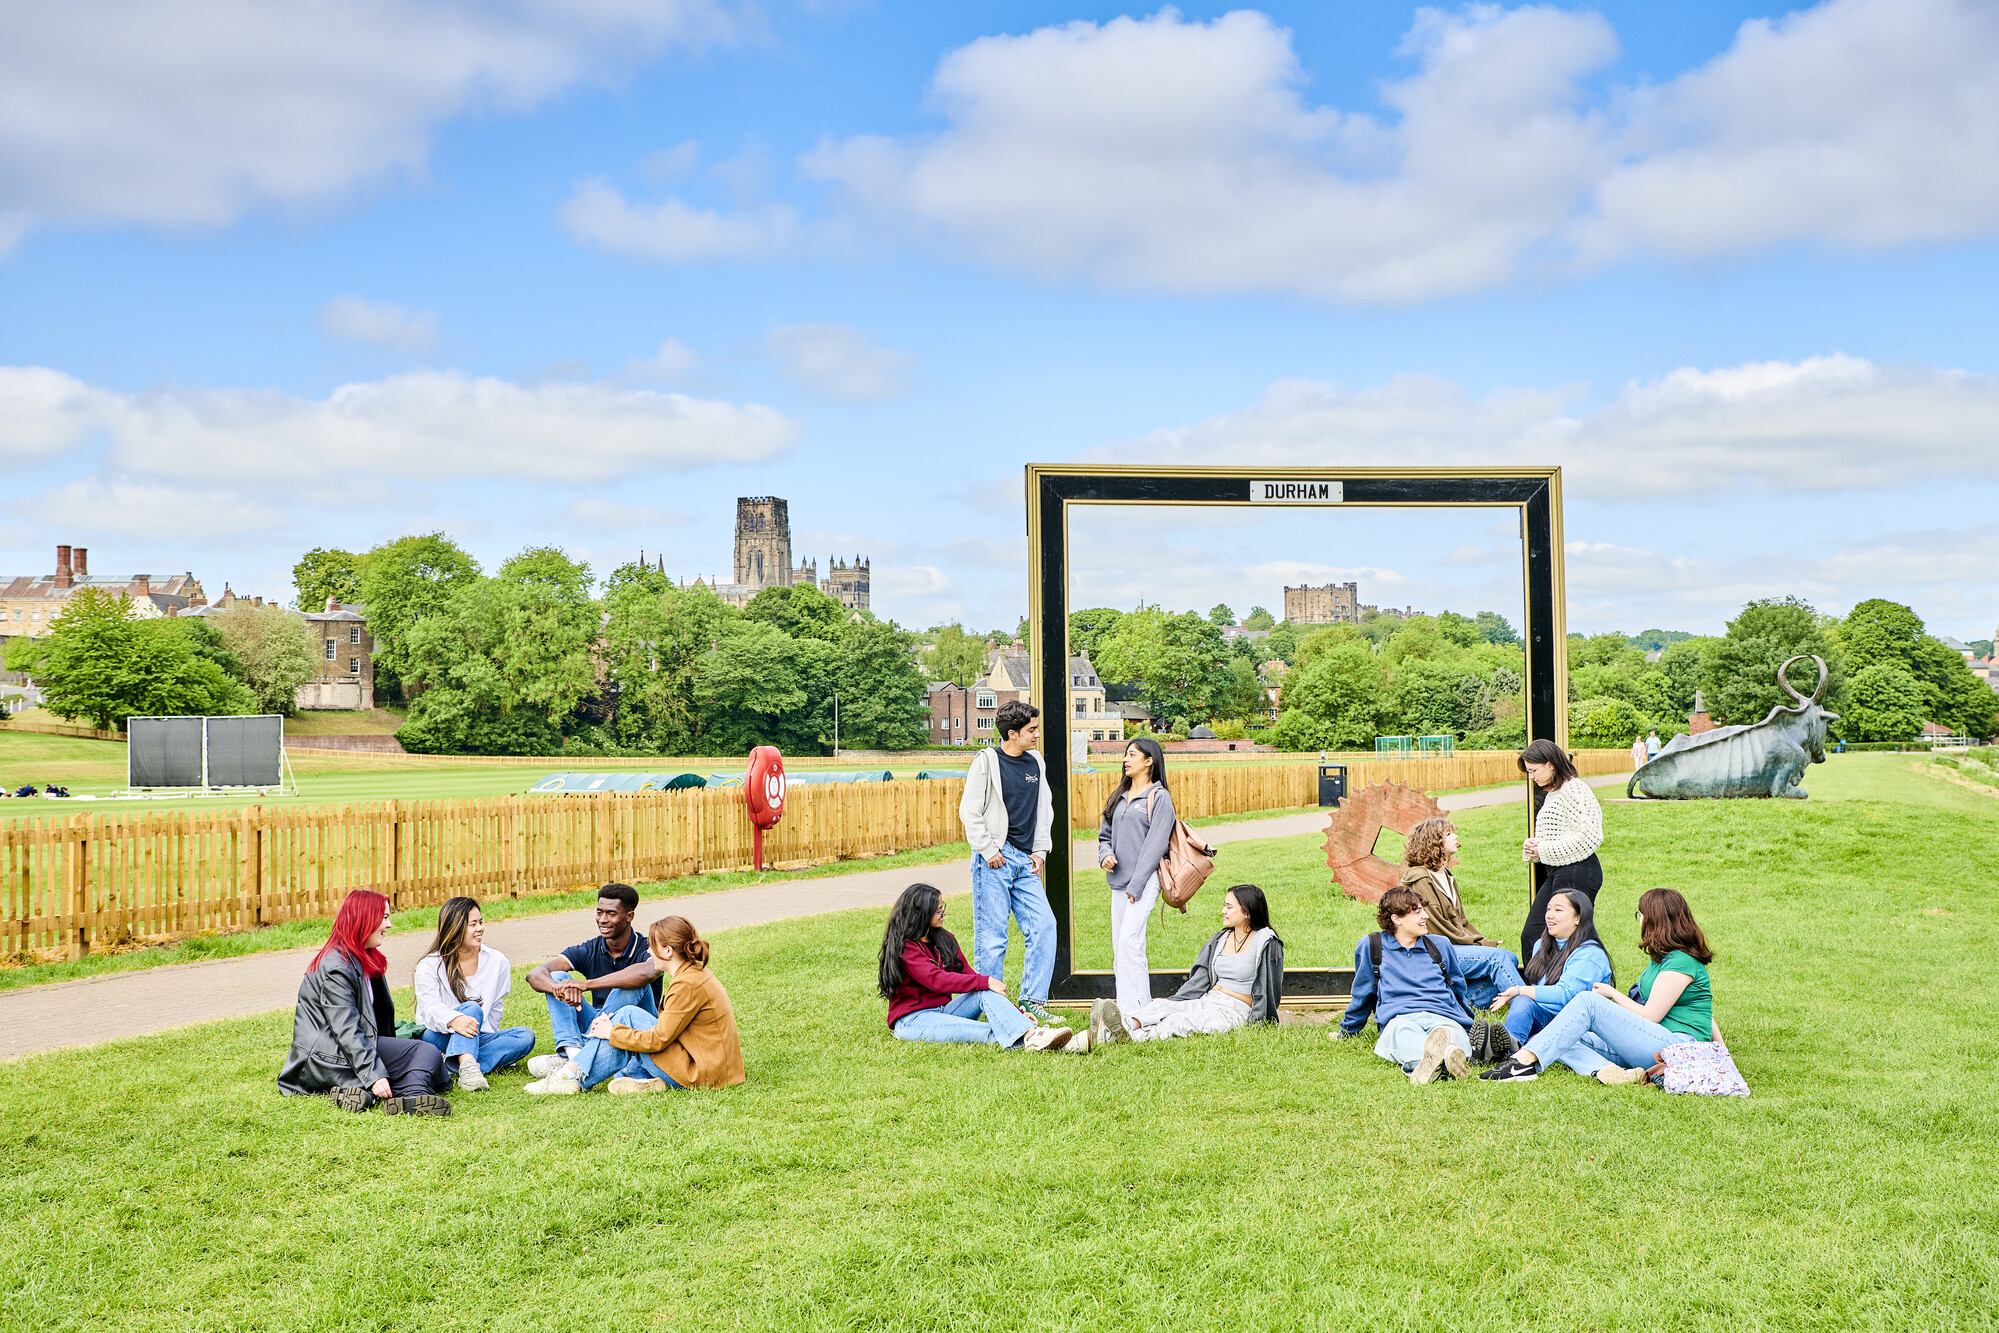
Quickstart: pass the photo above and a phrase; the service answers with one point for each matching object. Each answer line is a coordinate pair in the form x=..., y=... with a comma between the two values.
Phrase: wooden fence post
x=250, y=869
x=510, y=832
x=76, y=873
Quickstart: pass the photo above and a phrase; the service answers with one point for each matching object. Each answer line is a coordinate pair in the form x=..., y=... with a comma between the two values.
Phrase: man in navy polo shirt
x=616, y=968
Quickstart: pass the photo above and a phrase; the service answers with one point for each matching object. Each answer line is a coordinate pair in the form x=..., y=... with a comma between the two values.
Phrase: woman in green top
x=1617, y=1037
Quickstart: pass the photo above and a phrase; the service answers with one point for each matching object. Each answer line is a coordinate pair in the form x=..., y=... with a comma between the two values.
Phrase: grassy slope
x=1286, y=1181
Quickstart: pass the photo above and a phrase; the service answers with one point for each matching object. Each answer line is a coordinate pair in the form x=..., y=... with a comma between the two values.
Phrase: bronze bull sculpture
x=1762, y=759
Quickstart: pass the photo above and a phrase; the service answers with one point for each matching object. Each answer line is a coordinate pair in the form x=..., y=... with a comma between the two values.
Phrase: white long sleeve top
x=1569, y=826
x=436, y=1006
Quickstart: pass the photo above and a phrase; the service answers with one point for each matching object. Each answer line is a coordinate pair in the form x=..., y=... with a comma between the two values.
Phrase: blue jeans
x=983, y=1016
x=1527, y=1016
x=495, y=1050
x=1488, y=971
x=567, y=1026
x=1012, y=890
x=600, y=1060
x=1592, y=1032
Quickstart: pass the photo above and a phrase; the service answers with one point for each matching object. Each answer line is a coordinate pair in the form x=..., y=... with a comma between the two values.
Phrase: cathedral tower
x=763, y=542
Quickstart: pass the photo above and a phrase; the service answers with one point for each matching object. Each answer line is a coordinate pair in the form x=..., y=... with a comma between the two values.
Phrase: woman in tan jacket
x=693, y=1042
x=1488, y=967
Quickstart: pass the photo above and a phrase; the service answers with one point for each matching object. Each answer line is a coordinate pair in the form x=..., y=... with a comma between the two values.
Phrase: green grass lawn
x=1269, y=1179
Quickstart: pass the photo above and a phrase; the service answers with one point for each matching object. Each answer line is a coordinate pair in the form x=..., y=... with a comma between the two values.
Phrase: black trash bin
x=1332, y=783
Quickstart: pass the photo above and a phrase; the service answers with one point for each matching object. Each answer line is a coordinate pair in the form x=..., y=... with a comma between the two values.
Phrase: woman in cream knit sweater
x=1568, y=828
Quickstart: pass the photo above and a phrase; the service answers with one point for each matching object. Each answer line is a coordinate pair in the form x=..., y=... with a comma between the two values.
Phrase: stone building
x=1333, y=604
x=763, y=559
x=29, y=603
x=346, y=677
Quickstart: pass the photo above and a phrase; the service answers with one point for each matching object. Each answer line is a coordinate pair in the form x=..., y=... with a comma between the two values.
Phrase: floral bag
x=1703, y=1067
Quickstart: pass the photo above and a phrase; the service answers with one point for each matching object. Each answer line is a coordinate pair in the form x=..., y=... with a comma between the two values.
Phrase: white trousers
x=1211, y=1013
x=1128, y=922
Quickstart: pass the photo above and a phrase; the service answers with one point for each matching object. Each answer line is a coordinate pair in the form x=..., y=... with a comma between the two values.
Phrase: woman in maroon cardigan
x=933, y=994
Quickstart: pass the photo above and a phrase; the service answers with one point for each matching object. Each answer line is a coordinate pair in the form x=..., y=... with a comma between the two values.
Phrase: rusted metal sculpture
x=1765, y=758
x=1356, y=825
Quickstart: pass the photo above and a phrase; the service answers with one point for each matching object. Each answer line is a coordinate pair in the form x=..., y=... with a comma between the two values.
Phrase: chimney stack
x=82, y=563
x=333, y=604
x=63, y=579
x=142, y=585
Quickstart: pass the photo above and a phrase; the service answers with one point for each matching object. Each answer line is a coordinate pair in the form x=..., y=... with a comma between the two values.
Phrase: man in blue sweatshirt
x=1414, y=986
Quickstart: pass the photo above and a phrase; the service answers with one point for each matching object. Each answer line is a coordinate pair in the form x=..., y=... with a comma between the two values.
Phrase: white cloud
x=837, y=361
x=358, y=319
x=1825, y=423
x=192, y=113
x=42, y=412
x=673, y=362
x=908, y=581
x=129, y=508
x=671, y=231
x=423, y=426
x=1162, y=154
x=670, y=164
x=600, y=514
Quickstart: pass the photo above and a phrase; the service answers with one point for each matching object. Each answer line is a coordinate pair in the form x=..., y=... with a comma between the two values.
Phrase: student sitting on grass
x=1618, y=1037
x=1568, y=960
x=1413, y=985
x=461, y=997
x=614, y=968
x=343, y=1031
x=1489, y=966
x=933, y=994
x=1237, y=979
x=692, y=1043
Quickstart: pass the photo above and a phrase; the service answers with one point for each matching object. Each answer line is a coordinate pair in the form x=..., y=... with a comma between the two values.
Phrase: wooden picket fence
x=65, y=882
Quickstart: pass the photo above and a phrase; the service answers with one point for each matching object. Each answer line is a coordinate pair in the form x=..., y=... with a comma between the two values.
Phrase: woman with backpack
x=933, y=994
x=1237, y=979
x=1137, y=826
x=1568, y=828
x=1568, y=960
x=343, y=1030
x=1617, y=1037
x=461, y=997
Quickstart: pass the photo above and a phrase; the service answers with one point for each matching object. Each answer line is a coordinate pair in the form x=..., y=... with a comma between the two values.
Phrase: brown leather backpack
x=1187, y=864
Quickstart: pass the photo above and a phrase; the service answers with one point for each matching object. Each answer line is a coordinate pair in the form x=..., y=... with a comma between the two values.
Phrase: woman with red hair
x=343, y=1031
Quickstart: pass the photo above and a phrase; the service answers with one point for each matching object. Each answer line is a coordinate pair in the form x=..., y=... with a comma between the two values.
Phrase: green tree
x=1683, y=665
x=1494, y=628
x=1220, y=616
x=1258, y=618
x=1343, y=694
x=801, y=611
x=1878, y=632
x=1884, y=702
x=955, y=656
x=654, y=638
x=1461, y=631
x=326, y=572
x=403, y=582
x=760, y=686
x=1179, y=661
x=1283, y=642
x=99, y=662
x=1739, y=670
x=883, y=699
x=277, y=649
x=1654, y=640
x=1088, y=628
x=1604, y=724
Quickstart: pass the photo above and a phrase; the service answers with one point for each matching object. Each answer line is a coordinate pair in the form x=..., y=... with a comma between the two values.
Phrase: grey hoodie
x=1137, y=838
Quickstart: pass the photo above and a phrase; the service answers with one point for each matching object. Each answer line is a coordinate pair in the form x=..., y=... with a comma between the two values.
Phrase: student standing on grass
x=1652, y=745
x=343, y=1030
x=1008, y=816
x=691, y=1043
x=1237, y=979
x=1568, y=828
x=614, y=968
x=1638, y=752
x=1415, y=993
x=1131, y=841
x=461, y=997
x=1617, y=1037
x=1489, y=968
x=934, y=996
x=1567, y=961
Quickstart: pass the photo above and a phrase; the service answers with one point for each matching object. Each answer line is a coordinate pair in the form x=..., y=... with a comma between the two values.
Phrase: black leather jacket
x=341, y=1013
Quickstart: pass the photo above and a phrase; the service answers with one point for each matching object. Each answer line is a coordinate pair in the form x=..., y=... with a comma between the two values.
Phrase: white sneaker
x=554, y=1085
x=470, y=1078
x=1080, y=1043
x=1047, y=1039
x=541, y=1066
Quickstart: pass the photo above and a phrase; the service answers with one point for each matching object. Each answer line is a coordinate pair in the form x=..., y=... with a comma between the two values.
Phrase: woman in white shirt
x=1568, y=828
x=461, y=998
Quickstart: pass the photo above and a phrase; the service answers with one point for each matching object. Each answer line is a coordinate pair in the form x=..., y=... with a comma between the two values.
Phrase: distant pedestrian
x=1652, y=746
x=1568, y=828
x=1009, y=819
x=1639, y=754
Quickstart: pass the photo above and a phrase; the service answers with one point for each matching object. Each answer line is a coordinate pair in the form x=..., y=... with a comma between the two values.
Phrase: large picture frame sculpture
x=1054, y=490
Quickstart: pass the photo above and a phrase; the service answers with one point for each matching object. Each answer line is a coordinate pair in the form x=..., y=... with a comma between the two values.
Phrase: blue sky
x=278, y=277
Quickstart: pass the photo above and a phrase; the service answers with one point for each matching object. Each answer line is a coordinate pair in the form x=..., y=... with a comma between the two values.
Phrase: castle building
x=763, y=559
x=1334, y=604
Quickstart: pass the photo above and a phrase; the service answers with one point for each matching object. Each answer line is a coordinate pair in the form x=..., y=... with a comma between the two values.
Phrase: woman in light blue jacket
x=1568, y=960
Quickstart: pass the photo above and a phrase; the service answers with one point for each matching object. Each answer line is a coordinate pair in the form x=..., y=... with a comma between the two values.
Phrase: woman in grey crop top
x=1237, y=979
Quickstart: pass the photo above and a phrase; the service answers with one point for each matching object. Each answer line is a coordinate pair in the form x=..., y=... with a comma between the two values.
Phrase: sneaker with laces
x=1079, y=1043
x=417, y=1103
x=1455, y=1063
x=541, y=1066
x=1612, y=1075
x=1046, y=1039
x=553, y=1085
x=1434, y=1045
x=469, y=1076
x=1038, y=1011
x=1107, y=1023
x=622, y=1086
x=1510, y=1070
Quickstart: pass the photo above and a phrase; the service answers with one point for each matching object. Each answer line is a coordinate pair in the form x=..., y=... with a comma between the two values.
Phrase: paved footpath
x=131, y=1004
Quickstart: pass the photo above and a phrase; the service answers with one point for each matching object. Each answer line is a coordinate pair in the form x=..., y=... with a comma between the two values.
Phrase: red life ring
x=763, y=786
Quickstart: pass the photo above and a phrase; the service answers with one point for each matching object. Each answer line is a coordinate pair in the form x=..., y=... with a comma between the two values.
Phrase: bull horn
x=1784, y=679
